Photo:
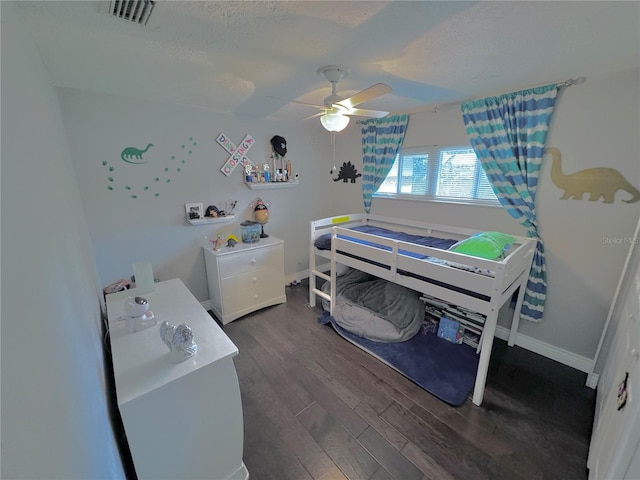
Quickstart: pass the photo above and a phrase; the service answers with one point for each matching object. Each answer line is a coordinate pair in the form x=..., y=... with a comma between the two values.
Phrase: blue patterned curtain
x=508, y=134
x=381, y=141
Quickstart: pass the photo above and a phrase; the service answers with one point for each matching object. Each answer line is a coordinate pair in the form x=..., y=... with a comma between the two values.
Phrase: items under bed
x=374, y=308
x=384, y=311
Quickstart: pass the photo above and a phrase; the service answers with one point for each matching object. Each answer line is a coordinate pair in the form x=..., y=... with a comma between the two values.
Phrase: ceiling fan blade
x=365, y=95
x=367, y=113
x=313, y=116
x=300, y=103
x=322, y=107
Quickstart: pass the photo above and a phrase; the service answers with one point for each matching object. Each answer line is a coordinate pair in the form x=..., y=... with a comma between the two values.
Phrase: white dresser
x=182, y=420
x=245, y=278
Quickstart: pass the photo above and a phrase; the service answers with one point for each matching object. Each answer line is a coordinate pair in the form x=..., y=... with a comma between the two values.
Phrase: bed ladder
x=314, y=274
x=313, y=291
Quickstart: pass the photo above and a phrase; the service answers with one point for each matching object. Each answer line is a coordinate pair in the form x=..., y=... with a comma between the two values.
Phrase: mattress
x=323, y=242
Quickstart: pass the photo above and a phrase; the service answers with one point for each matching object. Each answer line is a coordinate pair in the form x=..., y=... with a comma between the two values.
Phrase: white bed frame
x=511, y=273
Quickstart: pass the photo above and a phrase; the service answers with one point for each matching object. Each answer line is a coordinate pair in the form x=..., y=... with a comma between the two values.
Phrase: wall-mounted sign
x=238, y=154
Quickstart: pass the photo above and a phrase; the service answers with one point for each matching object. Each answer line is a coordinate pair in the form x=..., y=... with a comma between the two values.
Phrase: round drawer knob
x=255, y=279
x=255, y=296
x=253, y=262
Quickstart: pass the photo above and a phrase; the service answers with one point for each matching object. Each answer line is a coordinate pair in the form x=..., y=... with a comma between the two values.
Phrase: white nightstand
x=245, y=278
x=182, y=420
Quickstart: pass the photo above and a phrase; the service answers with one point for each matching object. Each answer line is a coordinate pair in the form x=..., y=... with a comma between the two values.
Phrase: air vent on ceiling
x=136, y=11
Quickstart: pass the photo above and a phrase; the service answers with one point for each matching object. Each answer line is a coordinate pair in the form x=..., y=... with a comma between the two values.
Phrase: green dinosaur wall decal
x=130, y=153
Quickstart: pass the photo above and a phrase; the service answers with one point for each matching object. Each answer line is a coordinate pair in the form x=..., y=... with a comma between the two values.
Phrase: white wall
x=125, y=230
x=594, y=125
x=55, y=422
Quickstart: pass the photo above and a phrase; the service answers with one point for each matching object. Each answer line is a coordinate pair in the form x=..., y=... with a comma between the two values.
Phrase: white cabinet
x=613, y=452
x=245, y=278
x=182, y=420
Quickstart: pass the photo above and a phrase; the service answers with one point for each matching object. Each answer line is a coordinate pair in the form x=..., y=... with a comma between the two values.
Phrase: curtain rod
x=566, y=83
x=437, y=108
x=572, y=81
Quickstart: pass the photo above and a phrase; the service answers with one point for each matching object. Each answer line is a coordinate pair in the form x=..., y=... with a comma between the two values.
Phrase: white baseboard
x=547, y=350
x=296, y=276
x=206, y=305
x=592, y=380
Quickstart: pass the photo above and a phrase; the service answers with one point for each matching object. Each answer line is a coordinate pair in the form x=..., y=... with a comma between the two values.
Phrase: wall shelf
x=209, y=220
x=266, y=186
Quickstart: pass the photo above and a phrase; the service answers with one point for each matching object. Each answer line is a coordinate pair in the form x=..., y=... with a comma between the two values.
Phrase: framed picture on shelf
x=194, y=210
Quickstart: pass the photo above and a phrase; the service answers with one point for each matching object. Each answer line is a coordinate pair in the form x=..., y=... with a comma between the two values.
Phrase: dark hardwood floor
x=317, y=407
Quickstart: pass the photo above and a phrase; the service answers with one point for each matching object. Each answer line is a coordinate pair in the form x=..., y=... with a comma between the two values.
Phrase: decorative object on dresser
x=261, y=215
x=245, y=278
x=250, y=231
x=179, y=340
x=218, y=245
x=138, y=316
x=143, y=277
x=232, y=240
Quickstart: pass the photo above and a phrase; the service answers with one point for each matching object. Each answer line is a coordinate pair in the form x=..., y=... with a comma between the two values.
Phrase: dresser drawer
x=250, y=289
x=251, y=260
x=251, y=281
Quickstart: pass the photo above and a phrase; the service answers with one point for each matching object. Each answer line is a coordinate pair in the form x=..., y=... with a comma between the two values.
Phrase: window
x=442, y=173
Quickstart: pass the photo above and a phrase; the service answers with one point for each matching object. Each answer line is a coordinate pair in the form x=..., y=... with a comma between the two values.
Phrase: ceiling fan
x=336, y=110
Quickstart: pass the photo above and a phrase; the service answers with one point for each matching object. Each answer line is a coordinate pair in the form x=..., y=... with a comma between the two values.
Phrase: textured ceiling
x=247, y=58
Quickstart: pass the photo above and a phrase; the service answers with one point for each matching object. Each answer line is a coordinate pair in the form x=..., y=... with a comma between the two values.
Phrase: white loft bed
x=484, y=294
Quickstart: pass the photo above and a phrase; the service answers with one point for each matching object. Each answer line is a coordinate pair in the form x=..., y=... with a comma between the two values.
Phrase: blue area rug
x=444, y=369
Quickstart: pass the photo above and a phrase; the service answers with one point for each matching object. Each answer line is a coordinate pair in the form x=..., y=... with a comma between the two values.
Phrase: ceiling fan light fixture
x=334, y=122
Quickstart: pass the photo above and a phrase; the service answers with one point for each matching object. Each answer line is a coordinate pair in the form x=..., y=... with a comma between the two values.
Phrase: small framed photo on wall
x=194, y=210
